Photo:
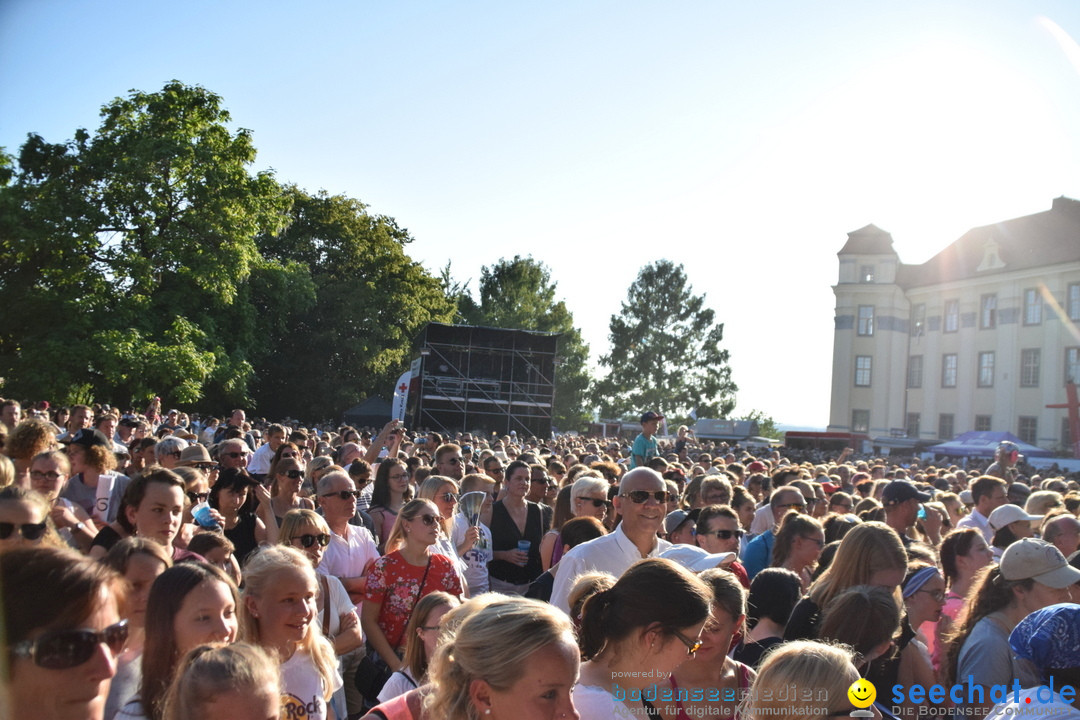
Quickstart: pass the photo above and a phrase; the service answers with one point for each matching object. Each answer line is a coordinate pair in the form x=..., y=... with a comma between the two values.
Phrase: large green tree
x=371, y=299
x=520, y=294
x=127, y=255
x=665, y=351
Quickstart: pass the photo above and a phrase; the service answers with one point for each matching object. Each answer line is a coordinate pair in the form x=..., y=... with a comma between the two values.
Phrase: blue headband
x=920, y=578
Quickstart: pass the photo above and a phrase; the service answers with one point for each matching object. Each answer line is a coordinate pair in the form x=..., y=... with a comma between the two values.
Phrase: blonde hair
x=826, y=671
x=430, y=488
x=411, y=511
x=493, y=644
x=416, y=658
x=210, y=670
x=259, y=575
x=7, y=471
x=296, y=518
x=866, y=549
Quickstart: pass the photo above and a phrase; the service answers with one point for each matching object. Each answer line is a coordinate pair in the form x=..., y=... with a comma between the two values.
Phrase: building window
x=952, y=316
x=862, y=370
x=945, y=426
x=914, y=371
x=982, y=423
x=1073, y=301
x=1072, y=365
x=1032, y=307
x=866, y=319
x=1028, y=430
x=1030, y=362
x=918, y=320
x=912, y=425
x=860, y=421
x=988, y=312
x=866, y=274
x=986, y=369
x=948, y=370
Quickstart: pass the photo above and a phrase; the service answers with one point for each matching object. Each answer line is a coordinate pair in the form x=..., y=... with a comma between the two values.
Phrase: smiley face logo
x=862, y=693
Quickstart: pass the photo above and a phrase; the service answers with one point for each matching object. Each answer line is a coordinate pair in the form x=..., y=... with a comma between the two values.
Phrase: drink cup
x=201, y=513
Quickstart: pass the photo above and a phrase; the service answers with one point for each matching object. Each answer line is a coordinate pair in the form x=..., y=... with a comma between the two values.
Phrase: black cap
x=899, y=491
x=89, y=437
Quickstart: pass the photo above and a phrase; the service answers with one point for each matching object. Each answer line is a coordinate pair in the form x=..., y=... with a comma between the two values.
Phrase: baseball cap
x=651, y=416
x=1007, y=514
x=1037, y=560
x=756, y=467
x=89, y=437
x=899, y=491
x=1049, y=638
x=676, y=518
x=694, y=558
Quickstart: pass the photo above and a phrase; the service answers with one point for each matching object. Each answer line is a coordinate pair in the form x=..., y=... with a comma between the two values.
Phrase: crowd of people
x=162, y=565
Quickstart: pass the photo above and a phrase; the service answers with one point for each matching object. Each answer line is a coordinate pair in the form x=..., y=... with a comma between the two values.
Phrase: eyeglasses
x=197, y=497
x=691, y=646
x=938, y=595
x=235, y=455
x=63, y=649
x=723, y=534
x=597, y=502
x=29, y=531
x=639, y=496
x=397, y=476
x=449, y=497
x=789, y=506
x=540, y=479
x=343, y=494
x=428, y=520
x=205, y=466
x=308, y=540
x=819, y=543
x=50, y=476
x=292, y=474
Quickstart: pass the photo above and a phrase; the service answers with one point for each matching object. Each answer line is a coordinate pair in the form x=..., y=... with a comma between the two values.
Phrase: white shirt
x=597, y=703
x=302, y=688
x=477, y=558
x=763, y=520
x=980, y=522
x=349, y=556
x=259, y=464
x=613, y=553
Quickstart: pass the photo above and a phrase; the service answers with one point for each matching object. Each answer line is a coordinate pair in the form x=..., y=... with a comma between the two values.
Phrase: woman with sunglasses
x=400, y=578
x=190, y=604
x=588, y=498
x=62, y=630
x=388, y=495
x=444, y=492
x=24, y=520
x=422, y=636
x=718, y=680
x=632, y=636
x=139, y=561
x=799, y=542
x=287, y=477
x=923, y=592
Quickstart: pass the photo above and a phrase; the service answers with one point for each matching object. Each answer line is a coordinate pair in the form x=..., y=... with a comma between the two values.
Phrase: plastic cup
x=201, y=513
x=524, y=545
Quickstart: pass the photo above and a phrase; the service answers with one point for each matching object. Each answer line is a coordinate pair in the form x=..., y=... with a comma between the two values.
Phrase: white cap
x=1008, y=514
x=694, y=558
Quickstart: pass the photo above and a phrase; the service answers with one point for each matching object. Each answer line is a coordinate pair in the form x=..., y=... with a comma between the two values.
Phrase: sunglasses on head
x=308, y=540
x=62, y=649
x=640, y=496
x=292, y=474
x=343, y=494
x=29, y=531
x=197, y=497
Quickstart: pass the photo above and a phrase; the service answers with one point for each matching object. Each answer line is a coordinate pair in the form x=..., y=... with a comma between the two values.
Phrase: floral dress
x=395, y=584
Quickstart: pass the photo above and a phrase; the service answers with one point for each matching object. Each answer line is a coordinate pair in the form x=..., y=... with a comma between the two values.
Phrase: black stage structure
x=469, y=378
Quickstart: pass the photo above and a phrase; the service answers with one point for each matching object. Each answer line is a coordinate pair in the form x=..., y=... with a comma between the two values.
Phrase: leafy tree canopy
x=665, y=351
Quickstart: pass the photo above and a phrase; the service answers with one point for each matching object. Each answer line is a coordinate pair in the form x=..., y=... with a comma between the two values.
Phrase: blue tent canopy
x=983, y=444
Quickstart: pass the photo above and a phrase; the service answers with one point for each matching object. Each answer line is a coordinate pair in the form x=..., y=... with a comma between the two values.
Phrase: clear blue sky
x=742, y=139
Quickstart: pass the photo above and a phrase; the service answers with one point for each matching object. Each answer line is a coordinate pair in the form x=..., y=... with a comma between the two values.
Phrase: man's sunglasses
x=308, y=540
x=235, y=455
x=29, y=531
x=292, y=474
x=63, y=649
x=343, y=494
x=197, y=497
x=640, y=496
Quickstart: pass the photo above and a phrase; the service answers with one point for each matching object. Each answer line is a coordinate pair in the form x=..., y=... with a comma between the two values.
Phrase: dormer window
x=866, y=274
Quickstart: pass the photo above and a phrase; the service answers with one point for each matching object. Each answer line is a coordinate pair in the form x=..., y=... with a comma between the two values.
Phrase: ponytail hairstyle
x=862, y=617
x=210, y=670
x=955, y=544
x=728, y=594
x=792, y=526
x=491, y=644
x=654, y=591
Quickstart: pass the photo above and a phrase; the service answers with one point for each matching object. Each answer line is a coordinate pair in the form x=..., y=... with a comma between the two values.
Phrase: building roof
x=1046, y=238
x=870, y=240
